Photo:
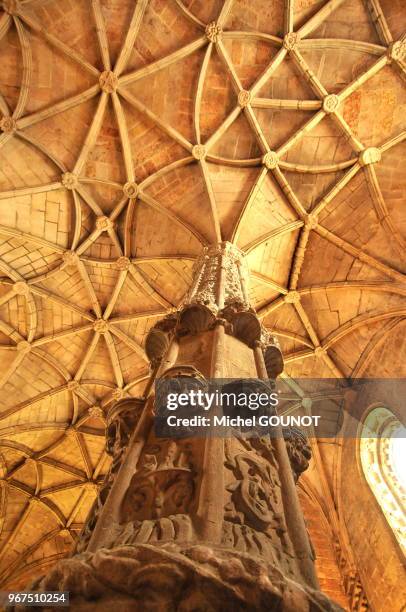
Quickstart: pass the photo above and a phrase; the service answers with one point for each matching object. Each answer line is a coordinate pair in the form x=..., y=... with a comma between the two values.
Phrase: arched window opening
x=398, y=454
x=383, y=459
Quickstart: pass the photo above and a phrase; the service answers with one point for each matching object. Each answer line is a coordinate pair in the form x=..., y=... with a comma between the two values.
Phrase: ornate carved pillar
x=199, y=523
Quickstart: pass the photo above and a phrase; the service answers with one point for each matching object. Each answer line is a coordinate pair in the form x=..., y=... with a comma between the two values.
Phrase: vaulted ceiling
x=134, y=133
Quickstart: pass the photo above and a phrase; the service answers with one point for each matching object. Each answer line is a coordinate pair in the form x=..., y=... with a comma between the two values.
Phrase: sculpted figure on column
x=199, y=523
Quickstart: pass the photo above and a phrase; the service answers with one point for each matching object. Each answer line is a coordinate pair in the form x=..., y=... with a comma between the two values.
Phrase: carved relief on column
x=160, y=501
x=299, y=451
x=254, y=520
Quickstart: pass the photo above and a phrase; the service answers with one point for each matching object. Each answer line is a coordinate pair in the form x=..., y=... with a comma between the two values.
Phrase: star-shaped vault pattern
x=131, y=135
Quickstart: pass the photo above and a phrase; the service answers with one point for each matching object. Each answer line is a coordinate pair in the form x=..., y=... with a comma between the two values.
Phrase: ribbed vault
x=132, y=134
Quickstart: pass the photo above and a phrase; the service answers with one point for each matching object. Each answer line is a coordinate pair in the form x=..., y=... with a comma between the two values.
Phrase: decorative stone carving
x=372, y=155
x=270, y=160
x=194, y=319
x=255, y=492
x=311, y=221
x=219, y=277
x=23, y=346
x=164, y=497
x=199, y=151
x=123, y=263
x=158, y=339
x=64, y=532
x=159, y=488
x=70, y=258
x=290, y=40
x=101, y=326
x=104, y=223
x=118, y=394
x=331, y=103
x=177, y=577
x=273, y=357
x=21, y=288
x=70, y=180
x=96, y=412
x=122, y=419
x=8, y=125
x=293, y=297
x=397, y=51
x=130, y=190
x=213, y=31
x=245, y=325
x=219, y=291
x=299, y=451
x=254, y=520
x=156, y=504
x=244, y=98
x=188, y=371
x=206, y=276
x=108, y=81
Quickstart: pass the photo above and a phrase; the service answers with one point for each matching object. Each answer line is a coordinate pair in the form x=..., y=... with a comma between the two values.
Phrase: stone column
x=199, y=523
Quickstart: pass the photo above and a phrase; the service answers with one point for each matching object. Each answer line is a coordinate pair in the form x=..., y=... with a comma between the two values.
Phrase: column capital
x=219, y=274
x=218, y=295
